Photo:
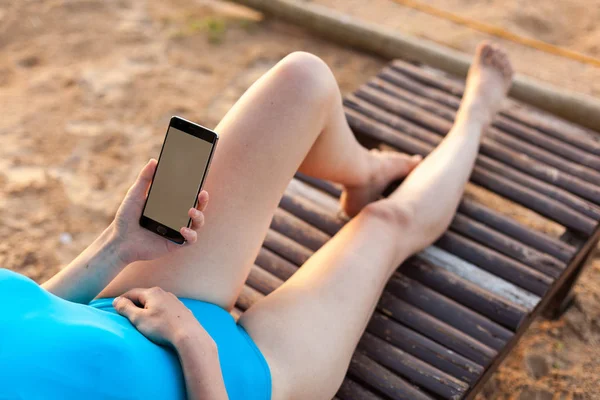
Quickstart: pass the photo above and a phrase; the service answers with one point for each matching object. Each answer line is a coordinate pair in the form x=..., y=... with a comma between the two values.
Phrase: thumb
x=407, y=163
x=411, y=162
x=416, y=158
x=126, y=308
x=139, y=188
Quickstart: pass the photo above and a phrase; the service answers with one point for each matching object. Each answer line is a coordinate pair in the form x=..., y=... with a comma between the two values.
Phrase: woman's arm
x=122, y=243
x=199, y=359
x=90, y=272
x=165, y=320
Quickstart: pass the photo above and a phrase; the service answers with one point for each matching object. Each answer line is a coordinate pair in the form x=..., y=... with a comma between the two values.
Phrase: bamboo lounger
x=450, y=315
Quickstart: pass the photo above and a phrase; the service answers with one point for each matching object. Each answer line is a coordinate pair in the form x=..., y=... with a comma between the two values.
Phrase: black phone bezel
x=195, y=130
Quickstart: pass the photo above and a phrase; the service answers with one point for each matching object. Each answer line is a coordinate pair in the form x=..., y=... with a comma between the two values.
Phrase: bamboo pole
x=579, y=108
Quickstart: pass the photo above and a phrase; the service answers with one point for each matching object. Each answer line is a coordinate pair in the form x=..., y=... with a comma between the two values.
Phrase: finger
x=189, y=235
x=138, y=296
x=415, y=160
x=202, y=200
x=197, y=217
x=140, y=187
x=408, y=163
x=126, y=308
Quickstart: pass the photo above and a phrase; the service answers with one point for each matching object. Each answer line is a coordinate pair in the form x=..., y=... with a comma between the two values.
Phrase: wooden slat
x=395, y=100
x=494, y=284
x=423, y=348
x=383, y=380
x=496, y=263
x=478, y=251
x=506, y=245
x=410, y=120
x=316, y=214
x=567, y=132
x=262, y=281
x=503, y=182
x=433, y=328
x=236, y=313
x=311, y=213
x=436, y=330
x=286, y=247
x=448, y=311
x=466, y=293
x=351, y=390
x=297, y=229
x=370, y=117
x=247, y=298
x=275, y=264
x=492, y=181
x=327, y=187
x=402, y=81
x=489, y=147
x=318, y=217
x=586, y=163
x=300, y=187
x=456, y=88
x=474, y=210
x=443, y=317
x=479, y=277
x=574, y=184
x=525, y=132
x=512, y=228
x=400, y=124
x=435, y=354
x=414, y=370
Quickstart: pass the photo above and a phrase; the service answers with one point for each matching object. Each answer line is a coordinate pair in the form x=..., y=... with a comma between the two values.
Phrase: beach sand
x=87, y=89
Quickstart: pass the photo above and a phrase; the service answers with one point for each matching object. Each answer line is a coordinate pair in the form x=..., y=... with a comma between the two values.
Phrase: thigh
x=263, y=140
x=309, y=327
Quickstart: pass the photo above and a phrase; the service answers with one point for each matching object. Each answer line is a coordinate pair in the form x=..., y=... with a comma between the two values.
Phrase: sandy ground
x=87, y=87
x=568, y=23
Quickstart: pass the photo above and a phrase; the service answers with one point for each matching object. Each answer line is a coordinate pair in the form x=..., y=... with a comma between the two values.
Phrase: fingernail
x=417, y=158
x=115, y=300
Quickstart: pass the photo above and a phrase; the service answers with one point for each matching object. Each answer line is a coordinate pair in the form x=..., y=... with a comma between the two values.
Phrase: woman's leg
x=309, y=327
x=292, y=117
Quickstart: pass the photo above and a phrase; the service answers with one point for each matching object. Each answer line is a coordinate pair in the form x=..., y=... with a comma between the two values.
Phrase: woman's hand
x=135, y=243
x=122, y=243
x=161, y=317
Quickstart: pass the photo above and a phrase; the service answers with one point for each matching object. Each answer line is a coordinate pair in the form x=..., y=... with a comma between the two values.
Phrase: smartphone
x=182, y=168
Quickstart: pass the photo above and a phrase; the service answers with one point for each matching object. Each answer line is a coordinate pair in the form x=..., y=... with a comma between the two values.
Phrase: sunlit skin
x=290, y=119
x=157, y=314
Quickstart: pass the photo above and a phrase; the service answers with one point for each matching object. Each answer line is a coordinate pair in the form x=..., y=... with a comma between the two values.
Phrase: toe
x=484, y=49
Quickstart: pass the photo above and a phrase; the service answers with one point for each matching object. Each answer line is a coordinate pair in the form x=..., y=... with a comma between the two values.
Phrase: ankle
x=368, y=166
x=472, y=117
x=374, y=168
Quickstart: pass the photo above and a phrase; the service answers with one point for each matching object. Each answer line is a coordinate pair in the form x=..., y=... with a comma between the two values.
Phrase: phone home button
x=162, y=230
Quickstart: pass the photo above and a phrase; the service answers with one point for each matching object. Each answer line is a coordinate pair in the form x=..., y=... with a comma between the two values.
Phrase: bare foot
x=489, y=79
x=386, y=167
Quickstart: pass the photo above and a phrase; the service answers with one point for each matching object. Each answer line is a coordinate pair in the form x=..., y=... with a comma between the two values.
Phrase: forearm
x=199, y=360
x=85, y=277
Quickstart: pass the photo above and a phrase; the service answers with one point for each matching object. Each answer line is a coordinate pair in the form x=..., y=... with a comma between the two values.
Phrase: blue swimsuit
x=51, y=348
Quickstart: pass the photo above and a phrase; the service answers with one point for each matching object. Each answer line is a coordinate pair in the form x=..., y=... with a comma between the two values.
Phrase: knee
x=402, y=220
x=399, y=217
x=309, y=76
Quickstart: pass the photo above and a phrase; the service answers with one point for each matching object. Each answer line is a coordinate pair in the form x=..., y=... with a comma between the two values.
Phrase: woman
x=285, y=346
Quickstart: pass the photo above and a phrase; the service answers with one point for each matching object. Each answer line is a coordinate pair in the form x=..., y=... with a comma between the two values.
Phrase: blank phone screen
x=182, y=165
